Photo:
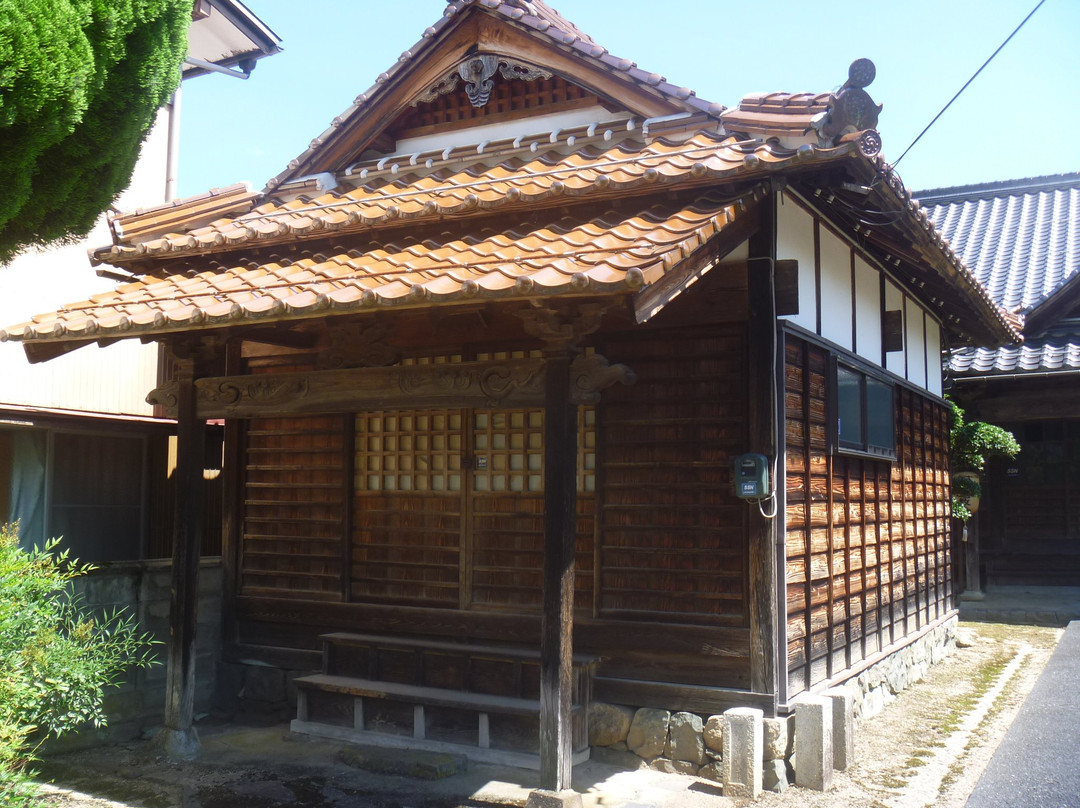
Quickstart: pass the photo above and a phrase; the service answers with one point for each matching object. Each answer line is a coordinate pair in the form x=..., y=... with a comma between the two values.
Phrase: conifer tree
x=80, y=84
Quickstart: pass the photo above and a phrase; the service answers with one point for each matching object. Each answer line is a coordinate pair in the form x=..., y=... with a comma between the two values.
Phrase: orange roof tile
x=593, y=162
x=776, y=114
x=608, y=253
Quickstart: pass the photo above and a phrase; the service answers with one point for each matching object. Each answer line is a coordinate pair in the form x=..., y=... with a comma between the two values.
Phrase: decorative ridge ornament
x=851, y=109
x=477, y=72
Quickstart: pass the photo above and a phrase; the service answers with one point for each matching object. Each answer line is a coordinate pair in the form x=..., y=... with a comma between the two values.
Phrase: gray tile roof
x=1021, y=238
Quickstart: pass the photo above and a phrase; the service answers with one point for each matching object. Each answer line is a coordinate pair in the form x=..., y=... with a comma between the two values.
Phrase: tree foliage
x=57, y=657
x=80, y=84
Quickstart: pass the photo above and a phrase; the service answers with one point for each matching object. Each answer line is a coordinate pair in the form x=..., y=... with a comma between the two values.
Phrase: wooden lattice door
x=449, y=508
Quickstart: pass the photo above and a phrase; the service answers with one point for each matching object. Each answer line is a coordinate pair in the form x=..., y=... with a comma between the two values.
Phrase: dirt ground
x=927, y=747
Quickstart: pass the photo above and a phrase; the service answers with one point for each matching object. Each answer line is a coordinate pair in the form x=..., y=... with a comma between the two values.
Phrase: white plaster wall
x=915, y=343
x=933, y=356
x=894, y=300
x=867, y=311
x=836, y=308
x=795, y=240
x=538, y=125
x=112, y=380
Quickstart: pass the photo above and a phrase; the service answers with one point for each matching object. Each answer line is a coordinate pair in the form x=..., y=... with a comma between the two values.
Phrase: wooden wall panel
x=294, y=508
x=673, y=535
x=508, y=552
x=406, y=548
x=868, y=559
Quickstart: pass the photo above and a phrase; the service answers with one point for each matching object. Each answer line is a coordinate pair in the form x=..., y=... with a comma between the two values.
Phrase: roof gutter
x=216, y=68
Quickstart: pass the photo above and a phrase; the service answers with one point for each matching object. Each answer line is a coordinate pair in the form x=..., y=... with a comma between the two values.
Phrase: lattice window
x=402, y=450
x=509, y=448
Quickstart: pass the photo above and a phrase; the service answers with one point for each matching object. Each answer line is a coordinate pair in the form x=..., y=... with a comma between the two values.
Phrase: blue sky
x=1020, y=118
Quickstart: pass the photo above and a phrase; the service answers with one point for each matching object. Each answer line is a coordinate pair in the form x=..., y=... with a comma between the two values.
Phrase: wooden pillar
x=180, y=738
x=557, y=622
x=764, y=367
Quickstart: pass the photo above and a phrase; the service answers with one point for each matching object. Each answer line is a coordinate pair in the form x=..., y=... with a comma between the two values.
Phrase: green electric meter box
x=752, y=476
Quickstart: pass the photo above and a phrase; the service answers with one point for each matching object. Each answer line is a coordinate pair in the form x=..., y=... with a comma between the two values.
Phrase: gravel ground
x=927, y=748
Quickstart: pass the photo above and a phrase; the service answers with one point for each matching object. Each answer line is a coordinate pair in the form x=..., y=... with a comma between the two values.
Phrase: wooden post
x=969, y=534
x=557, y=622
x=764, y=365
x=180, y=738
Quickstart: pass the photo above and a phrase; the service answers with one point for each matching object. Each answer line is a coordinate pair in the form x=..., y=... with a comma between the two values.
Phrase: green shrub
x=57, y=657
x=971, y=444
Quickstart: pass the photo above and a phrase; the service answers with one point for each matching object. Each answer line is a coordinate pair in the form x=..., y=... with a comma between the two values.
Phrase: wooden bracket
x=562, y=329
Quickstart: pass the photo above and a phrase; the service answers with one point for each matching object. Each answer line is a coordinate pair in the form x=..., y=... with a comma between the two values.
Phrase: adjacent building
x=1021, y=238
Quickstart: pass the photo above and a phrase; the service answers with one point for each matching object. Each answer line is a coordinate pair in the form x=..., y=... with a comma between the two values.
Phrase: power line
x=968, y=82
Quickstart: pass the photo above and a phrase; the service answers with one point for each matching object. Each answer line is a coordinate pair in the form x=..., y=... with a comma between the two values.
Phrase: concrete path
x=1038, y=761
x=1031, y=606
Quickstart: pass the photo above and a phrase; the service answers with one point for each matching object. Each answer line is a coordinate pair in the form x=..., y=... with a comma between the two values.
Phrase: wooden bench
x=482, y=679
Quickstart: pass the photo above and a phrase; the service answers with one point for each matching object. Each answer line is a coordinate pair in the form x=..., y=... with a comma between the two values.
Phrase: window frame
x=863, y=447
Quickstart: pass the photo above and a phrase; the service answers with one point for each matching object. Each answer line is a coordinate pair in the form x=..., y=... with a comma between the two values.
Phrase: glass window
x=880, y=415
x=849, y=407
x=865, y=414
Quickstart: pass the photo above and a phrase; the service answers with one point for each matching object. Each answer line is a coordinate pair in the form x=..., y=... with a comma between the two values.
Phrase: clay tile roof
x=1021, y=239
x=534, y=16
x=610, y=162
x=189, y=212
x=606, y=253
x=776, y=114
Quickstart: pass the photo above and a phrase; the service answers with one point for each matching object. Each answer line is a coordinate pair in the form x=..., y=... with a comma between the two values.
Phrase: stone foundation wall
x=683, y=743
x=880, y=683
x=687, y=743
x=257, y=690
x=143, y=588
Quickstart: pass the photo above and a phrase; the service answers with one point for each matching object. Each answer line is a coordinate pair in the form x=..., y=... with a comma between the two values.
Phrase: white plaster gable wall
x=113, y=380
x=848, y=289
x=867, y=311
x=894, y=301
x=837, y=316
x=795, y=240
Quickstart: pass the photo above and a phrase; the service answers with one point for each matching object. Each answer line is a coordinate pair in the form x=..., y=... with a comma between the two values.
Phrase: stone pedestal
x=542, y=798
x=743, y=743
x=843, y=726
x=813, y=743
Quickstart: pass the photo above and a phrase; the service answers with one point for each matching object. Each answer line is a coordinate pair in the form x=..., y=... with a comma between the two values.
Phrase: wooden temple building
x=487, y=354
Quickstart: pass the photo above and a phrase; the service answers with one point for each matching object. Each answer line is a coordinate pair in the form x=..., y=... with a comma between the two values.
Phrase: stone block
x=712, y=771
x=684, y=739
x=542, y=798
x=668, y=766
x=713, y=734
x=843, y=726
x=779, y=738
x=610, y=756
x=775, y=775
x=228, y=684
x=813, y=743
x=415, y=763
x=648, y=732
x=265, y=684
x=609, y=723
x=743, y=742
